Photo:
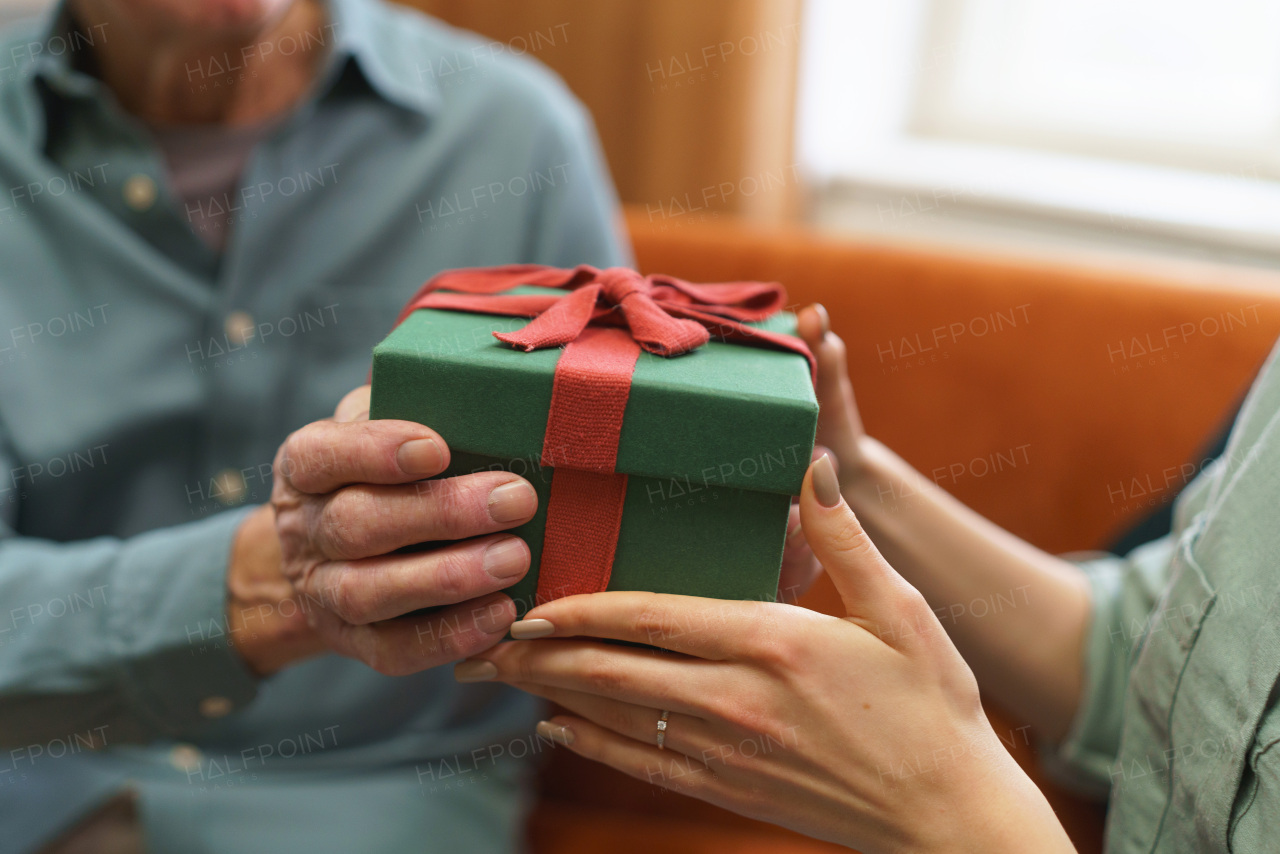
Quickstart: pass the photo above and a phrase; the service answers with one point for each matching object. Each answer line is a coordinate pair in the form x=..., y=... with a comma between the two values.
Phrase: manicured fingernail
x=555, y=732
x=506, y=559
x=420, y=456
x=823, y=316
x=530, y=629
x=826, y=487
x=512, y=502
x=474, y=671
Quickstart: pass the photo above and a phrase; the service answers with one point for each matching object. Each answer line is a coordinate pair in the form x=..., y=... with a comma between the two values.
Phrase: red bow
x=665, y=315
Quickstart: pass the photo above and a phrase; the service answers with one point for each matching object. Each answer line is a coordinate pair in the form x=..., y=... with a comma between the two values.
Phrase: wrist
x=1000, y=810
x=266, y=621
x=876, y=476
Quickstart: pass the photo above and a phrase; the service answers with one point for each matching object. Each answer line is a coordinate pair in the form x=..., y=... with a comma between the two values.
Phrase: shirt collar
x=373, y=36
x=361, y=33
x=60, y=48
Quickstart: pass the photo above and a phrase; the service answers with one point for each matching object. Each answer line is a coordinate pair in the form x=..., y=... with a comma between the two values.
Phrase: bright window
x=1157, y=115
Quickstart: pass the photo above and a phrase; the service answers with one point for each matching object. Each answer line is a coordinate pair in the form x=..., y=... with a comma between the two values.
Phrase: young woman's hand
x=865, y=730
x=839, y=433
x=840, y=430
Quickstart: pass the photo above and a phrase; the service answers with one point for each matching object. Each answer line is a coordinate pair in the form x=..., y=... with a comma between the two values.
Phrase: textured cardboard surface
x=715, y=541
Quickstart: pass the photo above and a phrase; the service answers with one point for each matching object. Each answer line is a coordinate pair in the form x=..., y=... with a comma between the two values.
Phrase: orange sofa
x=1065, y=400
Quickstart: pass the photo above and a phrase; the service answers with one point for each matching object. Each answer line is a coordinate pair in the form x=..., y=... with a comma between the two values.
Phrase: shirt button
x=239, y=327
x=140, y=193
x=215, y=707
x=229, y=487
x=185, y=757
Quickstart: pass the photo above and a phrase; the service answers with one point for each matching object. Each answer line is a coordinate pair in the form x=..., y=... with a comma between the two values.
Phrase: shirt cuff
x=1083, y=760
x=181, y=669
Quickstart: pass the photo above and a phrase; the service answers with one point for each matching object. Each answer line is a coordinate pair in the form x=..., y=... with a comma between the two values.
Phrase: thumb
x=874, y=594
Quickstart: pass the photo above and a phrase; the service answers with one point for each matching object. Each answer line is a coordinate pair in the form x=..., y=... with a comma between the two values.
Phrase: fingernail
x=826, y=487
x=420, y=456
x=555, y=732
x=823, y=316
x=530, y=629
x=474, y=671
x=506, y=559
x=512, y=501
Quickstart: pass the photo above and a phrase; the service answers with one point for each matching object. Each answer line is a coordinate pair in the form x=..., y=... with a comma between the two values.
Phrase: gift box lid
x=725, y=414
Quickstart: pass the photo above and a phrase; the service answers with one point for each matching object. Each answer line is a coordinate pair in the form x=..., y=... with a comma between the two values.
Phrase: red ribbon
x=604, y=321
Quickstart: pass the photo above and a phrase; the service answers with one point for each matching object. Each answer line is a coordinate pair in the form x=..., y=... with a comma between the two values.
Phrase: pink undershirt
x=205, y=164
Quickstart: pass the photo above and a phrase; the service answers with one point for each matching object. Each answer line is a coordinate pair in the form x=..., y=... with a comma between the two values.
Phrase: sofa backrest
x=1061, y=400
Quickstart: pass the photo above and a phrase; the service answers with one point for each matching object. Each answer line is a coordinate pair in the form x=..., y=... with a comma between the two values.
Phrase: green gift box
x=714, y=443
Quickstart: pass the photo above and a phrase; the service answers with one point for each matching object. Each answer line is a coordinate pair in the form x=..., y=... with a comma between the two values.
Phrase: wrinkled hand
x=348, y=495
x=865, y=730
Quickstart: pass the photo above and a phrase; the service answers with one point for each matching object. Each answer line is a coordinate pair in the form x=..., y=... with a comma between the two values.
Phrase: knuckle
x=767, y=640
x=911, y=623
x=851, y=540
x=292, y=532
x=912, y=600
x=454, y=574
x=774, y=649
x=301, y=574
x=603, y=675
x=458, y=507
x=346, y=596
x=909, y=605
x=341, y=529
x=366, y=443
x=291, y=459
x=522, y=663
x=746, y=716
x=653, y=621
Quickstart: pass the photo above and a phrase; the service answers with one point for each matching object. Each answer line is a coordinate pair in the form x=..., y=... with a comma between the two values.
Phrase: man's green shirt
x=147, y=380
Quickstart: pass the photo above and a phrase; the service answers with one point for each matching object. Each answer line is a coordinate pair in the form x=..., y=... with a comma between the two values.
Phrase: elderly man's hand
x=320, y=567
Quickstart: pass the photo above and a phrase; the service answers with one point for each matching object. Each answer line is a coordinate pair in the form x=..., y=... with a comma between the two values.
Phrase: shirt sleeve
x=121, y=640
x=1124, y=594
